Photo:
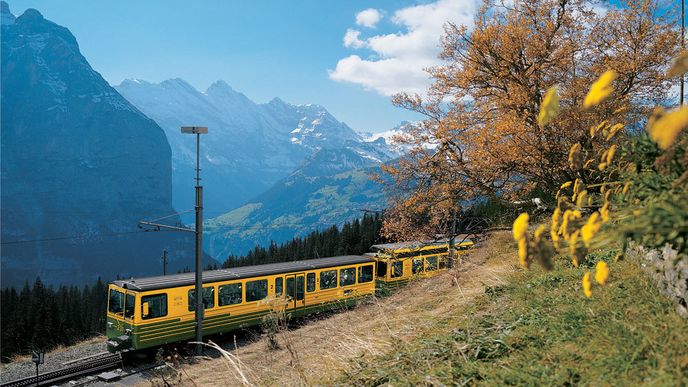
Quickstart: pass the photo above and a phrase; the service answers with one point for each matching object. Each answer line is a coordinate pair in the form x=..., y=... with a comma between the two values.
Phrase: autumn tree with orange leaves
x=482, y=112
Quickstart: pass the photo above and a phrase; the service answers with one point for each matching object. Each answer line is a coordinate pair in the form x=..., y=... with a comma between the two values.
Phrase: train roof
x=210, y=276
x=419, y=244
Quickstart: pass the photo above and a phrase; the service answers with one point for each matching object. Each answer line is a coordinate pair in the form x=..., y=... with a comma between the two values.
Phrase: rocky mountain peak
x=7, y=16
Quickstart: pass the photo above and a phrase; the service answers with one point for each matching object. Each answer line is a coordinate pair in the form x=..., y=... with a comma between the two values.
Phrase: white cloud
x=351, y=39
x=399, y=58
x=368, y=18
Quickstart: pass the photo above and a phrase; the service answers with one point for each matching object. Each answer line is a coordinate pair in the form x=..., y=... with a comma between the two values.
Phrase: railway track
x=82, y=368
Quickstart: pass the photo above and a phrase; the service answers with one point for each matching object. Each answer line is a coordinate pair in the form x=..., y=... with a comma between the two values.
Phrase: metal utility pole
x=198, y=230
x=164, y=262
x=452, y=241
x=198, y=130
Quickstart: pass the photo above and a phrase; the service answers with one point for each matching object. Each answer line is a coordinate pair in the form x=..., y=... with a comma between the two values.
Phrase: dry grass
x=61, y=348
x=318, y=352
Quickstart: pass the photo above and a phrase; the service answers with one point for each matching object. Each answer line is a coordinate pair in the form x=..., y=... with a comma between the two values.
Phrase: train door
x=295, y=291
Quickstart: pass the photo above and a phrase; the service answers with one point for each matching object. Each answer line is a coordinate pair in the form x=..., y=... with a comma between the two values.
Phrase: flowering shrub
x=633, y=188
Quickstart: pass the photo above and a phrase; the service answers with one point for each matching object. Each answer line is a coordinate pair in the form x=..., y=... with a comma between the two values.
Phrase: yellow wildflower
x=573, y=247
x=556, y=215
x=601, y=166
x=563, y=230
x=679, y=65
x=614, y=130
x=581, y=198
x=666, y=128
x=520, y=227
x=555, y=238
x=591, y=227
x=604, y=212
x=549, y=108
x=538, y=233
x=601, y=272
x=610, y=154
x=574, y=156
x=578, y=187
x=587, y=285
x=523, y=252
x=567, y=184
x=625, y=188
x=594, y=130
x=600, y=90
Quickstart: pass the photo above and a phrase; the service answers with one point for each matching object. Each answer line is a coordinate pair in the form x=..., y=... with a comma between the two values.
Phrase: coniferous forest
x=41, y=317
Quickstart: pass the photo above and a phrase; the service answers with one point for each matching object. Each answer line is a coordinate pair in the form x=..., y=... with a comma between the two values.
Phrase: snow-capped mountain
x=249, y=146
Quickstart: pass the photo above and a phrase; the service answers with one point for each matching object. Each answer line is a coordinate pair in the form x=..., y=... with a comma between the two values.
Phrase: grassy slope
x=539, y=329
x=500, y=326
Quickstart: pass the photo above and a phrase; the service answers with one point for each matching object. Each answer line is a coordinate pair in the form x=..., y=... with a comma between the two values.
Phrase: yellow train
x=150, y=312
x=398, y=263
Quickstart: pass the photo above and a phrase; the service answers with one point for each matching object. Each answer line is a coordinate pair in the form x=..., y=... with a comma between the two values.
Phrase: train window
x=365, y=274
x=299, y=288
x=256, y=290
x=229, y=294
x=208, y=298
x=417, y=265
x=116, y=302
x=157, y=306
x=431, y=263
x=129, y=306
x=347, y=276
x=310, y=282
x=381, y=269
x=328, y=279
x=279, y=282
x=397, y=269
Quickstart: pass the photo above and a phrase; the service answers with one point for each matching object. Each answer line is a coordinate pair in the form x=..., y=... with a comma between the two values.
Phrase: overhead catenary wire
x=237, y=227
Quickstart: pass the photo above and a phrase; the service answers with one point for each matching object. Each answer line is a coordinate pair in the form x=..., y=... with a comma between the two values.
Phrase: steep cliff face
x=80, y=165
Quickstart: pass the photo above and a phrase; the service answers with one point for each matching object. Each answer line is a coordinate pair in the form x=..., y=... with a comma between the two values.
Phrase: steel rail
x=84, y=368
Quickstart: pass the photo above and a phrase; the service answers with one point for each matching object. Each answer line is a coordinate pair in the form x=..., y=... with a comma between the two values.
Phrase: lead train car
x=150, y=312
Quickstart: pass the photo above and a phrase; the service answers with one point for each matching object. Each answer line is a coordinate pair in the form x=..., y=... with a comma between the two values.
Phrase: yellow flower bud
x=520, y=227
x=580, y=202
x=610, y=154
x=591, y=228
x=614, y=130
x=601, y=272
x=549, y=108
x=573, y=247
x=574, y=156
x=538, y=233
x=587, y=285
x=666, y=128
x=600, y=90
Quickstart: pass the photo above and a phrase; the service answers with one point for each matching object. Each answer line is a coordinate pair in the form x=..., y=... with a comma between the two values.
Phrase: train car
x=150, y=312
x=398, y=263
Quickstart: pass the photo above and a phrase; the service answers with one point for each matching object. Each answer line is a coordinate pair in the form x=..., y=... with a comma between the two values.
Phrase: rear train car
x=150, y=312
x=398, y=263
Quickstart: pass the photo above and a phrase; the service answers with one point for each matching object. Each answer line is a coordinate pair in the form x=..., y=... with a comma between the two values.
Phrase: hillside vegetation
x=499, y=326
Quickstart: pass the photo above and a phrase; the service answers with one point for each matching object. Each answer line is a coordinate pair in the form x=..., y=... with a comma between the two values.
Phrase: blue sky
x=266, y=49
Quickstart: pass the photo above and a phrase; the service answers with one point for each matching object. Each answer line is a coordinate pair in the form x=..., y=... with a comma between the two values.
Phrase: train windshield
x=129, y=306
x=116, y=302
